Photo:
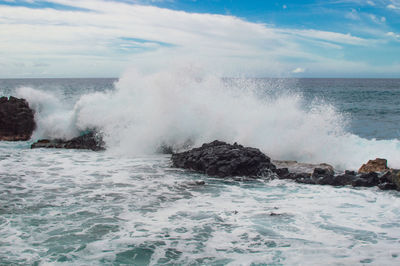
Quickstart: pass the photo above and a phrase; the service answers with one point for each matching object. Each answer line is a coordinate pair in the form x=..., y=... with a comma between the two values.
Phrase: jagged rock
x=388, y=186
x=296, y=167
x=377, y=165
x=16, y=119
x=323, y=176
x=90, y=141
x=390, y=180
x=349, y=172
x=303, y=178
x=221, y=159
x=345, y=179
x=366, y=180
x=395, y=177
x=283, y=173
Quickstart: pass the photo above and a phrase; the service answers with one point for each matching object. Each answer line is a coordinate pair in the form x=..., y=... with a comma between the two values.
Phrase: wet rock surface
x=222, y=159
x=89, y=141
x=16, y=119
x=390, y=180
x=366, y=180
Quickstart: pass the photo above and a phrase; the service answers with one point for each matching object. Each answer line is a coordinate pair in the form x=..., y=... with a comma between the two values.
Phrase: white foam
x=54, y=118
x=176, y=105
x=54, y=201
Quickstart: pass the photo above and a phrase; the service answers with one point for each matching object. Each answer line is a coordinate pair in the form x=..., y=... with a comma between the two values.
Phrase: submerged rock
x=222, y=159
x=89, y=141
x=16, y=119
x=377, y=165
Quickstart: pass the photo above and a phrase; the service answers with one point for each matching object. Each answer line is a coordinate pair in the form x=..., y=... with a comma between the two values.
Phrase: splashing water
x=173, y=106
x=80, y=207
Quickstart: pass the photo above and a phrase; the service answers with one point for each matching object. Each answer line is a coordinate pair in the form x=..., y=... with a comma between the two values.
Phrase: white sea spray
x=177, y=105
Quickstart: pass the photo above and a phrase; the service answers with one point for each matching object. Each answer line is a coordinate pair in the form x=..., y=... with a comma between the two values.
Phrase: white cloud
x=73, y=42
x=391, y=6
x=377, y=19
x=298, y=70
x=392, y=34
x=371, y=3
x=329, y=36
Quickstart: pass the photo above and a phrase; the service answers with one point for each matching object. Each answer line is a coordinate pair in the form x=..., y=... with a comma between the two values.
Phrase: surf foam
x=174, y=106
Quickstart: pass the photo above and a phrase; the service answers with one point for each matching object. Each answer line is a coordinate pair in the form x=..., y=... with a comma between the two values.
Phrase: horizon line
x=221, y=77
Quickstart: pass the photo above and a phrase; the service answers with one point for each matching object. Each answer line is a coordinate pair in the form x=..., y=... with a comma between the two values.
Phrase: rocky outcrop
x=376, y=173
x=16, y=119
x=377, y=165
x=89, y=141
x=221, y=159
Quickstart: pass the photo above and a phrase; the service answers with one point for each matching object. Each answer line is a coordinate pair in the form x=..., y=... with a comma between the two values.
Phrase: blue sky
x=103, y=38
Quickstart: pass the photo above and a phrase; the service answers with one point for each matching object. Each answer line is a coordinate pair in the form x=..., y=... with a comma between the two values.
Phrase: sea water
x=128, y=206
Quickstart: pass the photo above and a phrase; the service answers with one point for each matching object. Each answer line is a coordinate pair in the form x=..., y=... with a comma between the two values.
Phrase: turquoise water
x=67, y=207
x=139, y=211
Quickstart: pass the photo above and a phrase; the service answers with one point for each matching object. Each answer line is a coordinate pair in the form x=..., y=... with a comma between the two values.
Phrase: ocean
x=128, y=206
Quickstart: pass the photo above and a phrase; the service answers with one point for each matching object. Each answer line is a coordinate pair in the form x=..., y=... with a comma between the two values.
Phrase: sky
x=104, y=38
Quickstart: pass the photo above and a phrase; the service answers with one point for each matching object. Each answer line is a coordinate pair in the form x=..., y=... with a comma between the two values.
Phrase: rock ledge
x=89, y=141
x=222, y=159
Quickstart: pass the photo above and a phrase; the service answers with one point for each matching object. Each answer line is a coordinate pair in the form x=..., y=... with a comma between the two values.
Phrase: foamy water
x=126, y=205
x=87, y=208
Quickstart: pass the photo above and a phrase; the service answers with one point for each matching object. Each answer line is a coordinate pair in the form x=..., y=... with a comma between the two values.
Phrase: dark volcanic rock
x=390, y=180
x=304, y=178
x=90, y=141
x=366, y=180
x=349, y=172
x=283, y=173
x=221, y=159
x=388, y=186
x=323, y=176
x=16, y=119
x=345, y=179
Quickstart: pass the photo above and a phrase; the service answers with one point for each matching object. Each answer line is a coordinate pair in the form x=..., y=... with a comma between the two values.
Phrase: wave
x=174, y=106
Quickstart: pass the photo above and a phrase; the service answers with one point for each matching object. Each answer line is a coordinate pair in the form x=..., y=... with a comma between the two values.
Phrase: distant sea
x=127, y=206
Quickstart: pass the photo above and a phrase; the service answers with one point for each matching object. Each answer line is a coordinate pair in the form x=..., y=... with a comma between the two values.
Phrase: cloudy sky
x=102, y=38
